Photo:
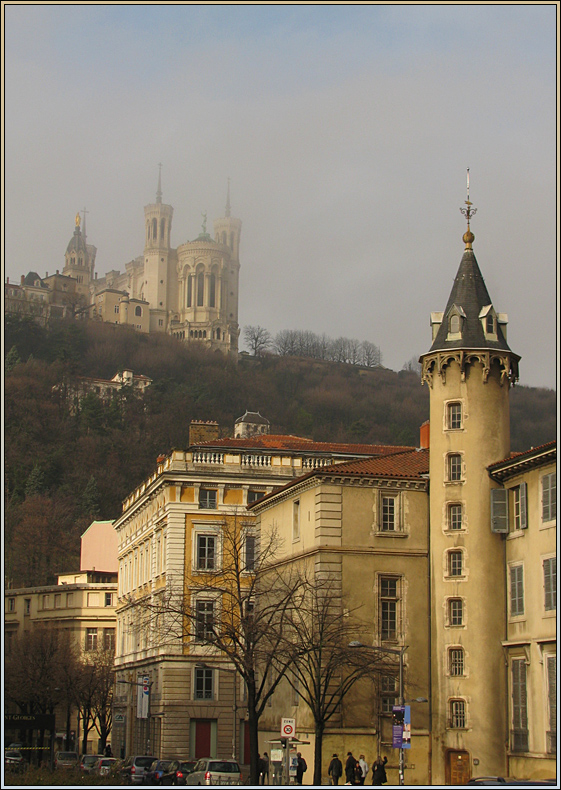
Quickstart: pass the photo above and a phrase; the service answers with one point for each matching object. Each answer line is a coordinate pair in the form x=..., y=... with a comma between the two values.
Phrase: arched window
x=231, y=241
x=218, y=334
x=162, y=229
x=189, y=289
x=455, y=325
x=200, y=289
x=212, y=296
x=191, y=333
x=224, y=237
x=154, y=228
x=138, y=310
x=490, y=324
x=80, y=261
x=204, y=334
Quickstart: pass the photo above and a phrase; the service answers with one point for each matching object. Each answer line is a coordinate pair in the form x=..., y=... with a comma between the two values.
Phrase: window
x=455, y=325
x=206, y=552
x=200, y=289
x=457, y=714
x=389, y=601
x=11, y=604
x=27, y=606
x=516, y=590
x=58, y=600
x=109, y=639
x=456, y=661
x=455, y=516
x=552, y=700
x=454, y=416
x=93, y=599
x=116, y=309
x=454, y=467
x=109, y=598
x=388, y=693
x=46, y=602
x=550, y=583
x=549, y=497
x=490, y=324
x=519, y=733
x=91, y=639
x=253, y=495
x=296, y=521
x=455, y=563
x=189, y=290
x=455, y=611
x=160, y=322
x=208, y=498
x=212, y=296
x=249, y=552
x=519, y=495
x=69, y=599
x=138, y=310
x=204, y=620
x=204, y=683
x=388, y=514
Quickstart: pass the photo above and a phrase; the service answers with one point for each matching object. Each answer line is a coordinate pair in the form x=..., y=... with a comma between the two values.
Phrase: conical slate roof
x=77, y=243
x=469, y=295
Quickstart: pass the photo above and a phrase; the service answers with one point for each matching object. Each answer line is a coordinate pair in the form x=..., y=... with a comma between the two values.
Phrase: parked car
x=160, y=769
x=106, y=766
x=500, y=780
x=89, y=762
x=132, y=770
x=185, y=767
x=67, y=760
x=14, y=760
x=210, y=771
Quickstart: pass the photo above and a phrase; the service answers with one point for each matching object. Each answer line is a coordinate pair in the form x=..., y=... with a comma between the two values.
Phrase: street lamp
x=401, y=702
x=202, y=665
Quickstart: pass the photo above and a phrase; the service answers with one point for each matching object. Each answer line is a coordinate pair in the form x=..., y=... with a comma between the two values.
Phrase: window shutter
x=552, y=691
x=499, y=510
x=523, y=506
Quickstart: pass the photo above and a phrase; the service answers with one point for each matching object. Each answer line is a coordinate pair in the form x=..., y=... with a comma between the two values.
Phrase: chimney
x=200, y=431
x=424, y=437
x=22, y=279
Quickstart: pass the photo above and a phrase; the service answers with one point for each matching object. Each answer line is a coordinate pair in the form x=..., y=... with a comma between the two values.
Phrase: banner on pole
x=142, y=696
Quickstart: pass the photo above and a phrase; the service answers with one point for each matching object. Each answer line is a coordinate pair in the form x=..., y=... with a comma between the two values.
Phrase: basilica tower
x=79, y=259
x=157, y=260
x=469, y=370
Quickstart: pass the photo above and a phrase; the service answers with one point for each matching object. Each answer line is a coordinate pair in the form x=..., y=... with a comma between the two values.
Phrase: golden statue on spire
x=78, y=219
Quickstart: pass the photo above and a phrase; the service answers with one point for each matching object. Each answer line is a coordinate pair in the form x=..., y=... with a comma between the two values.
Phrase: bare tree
x=371, y=355
x=251, y=610
x=257, y=339
x=103, y=698
x=324, y=667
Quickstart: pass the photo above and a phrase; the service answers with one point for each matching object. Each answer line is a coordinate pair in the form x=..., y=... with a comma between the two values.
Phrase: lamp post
x=202, y=665
x=399, y=653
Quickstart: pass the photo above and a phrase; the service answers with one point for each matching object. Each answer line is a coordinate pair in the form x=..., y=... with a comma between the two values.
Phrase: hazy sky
x=346, y=131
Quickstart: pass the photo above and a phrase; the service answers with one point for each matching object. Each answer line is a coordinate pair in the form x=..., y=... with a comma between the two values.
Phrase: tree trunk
x=318, y=751
x=253, y=724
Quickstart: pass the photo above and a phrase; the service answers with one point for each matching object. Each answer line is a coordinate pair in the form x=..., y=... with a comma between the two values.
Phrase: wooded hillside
x=62, y=470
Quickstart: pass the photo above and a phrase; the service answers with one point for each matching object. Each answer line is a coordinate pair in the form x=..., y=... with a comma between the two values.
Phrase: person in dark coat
x=108, y=752
x=301, y=767
x=350, y=769
x=379, y=772
x=335, y=770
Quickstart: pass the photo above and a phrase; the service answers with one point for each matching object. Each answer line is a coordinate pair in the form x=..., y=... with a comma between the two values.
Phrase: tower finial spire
x=228, y=199
x=159, y=192
x=468, y=213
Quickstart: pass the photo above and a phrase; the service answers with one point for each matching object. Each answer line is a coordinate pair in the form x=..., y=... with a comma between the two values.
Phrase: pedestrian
x=335, y=770
x=379, y=772
x=358, y=774
x=301, y=768
x=108, y=752
x=265, y=768
x=350, y=769
x=363, y=767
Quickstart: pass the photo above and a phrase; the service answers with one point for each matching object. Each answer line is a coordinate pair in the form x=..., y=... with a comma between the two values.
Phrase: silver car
x=212, y=771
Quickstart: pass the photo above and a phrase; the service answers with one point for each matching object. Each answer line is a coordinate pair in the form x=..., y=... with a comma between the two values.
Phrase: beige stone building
x=363, y=525
x=169, y=535
x=526, y=512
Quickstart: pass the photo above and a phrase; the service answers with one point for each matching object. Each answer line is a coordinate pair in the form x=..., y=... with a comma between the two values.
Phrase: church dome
x=77, y=243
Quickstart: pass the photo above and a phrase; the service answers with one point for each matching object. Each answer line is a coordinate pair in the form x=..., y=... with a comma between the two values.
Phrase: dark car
x=89, y=762
x=132, y=770
x=158, y=770
x=14, y=760
x=185, y=767
x=500, y=780
x=67, y=760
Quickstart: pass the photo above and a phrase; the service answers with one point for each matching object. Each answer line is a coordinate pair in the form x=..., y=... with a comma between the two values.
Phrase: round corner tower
x=469, y=370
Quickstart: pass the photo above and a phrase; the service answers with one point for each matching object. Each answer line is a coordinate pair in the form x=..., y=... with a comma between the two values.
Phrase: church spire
x=159, y=192
x=228, y=199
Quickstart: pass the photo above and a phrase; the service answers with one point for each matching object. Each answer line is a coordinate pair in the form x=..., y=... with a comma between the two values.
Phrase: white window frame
x=205, y=505
x=457, y=467
x=91, y=639
x=207, y=529
x=450, y=520
x=454, y=409
x=210, y=671
x=449, y=611
x=453, y=566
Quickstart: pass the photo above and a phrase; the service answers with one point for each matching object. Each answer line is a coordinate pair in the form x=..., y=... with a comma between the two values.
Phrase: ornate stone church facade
x=190, y=291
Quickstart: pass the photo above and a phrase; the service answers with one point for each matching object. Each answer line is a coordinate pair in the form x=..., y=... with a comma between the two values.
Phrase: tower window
x=212, y=298
x=218, y=334
x=454, y=467
x=455, y=325
x=457, y=714
x=455, y=611
x=456, y=661
x=455, y=516
x=154, y=228
x=189, y=289
x=200, y=289
x=162, y=228
x=490, y=324
x=455, y=563
x=138, y=310
x=454, y=416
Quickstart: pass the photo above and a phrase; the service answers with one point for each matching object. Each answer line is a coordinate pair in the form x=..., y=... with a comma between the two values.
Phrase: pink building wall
x=99, y=547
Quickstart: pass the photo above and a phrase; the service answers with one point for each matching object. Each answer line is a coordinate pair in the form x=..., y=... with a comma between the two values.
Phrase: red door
x=202, y=738
x=245, y=748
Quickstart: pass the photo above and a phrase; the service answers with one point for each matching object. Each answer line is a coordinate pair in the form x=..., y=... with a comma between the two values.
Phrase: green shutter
x=499, y=510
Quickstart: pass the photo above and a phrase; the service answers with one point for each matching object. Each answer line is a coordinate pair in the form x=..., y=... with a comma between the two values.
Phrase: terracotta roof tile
x=299, y=444
x=520, y=453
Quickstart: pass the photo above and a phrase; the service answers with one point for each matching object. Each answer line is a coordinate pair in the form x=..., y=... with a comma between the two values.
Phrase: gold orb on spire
x=468, y=239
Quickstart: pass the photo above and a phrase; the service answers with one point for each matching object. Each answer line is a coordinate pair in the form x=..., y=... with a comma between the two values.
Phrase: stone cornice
x=438, y=361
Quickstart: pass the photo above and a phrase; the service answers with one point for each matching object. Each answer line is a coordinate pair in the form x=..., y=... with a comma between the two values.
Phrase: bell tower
x=227, y=232
x=157, y=252
x=469, y=370
x=79, y=259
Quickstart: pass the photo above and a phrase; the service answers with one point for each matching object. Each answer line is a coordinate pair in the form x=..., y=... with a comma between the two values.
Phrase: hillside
x=63, y=470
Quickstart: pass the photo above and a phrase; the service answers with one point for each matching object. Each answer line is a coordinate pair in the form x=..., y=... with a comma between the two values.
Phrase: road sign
x=288, y=728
